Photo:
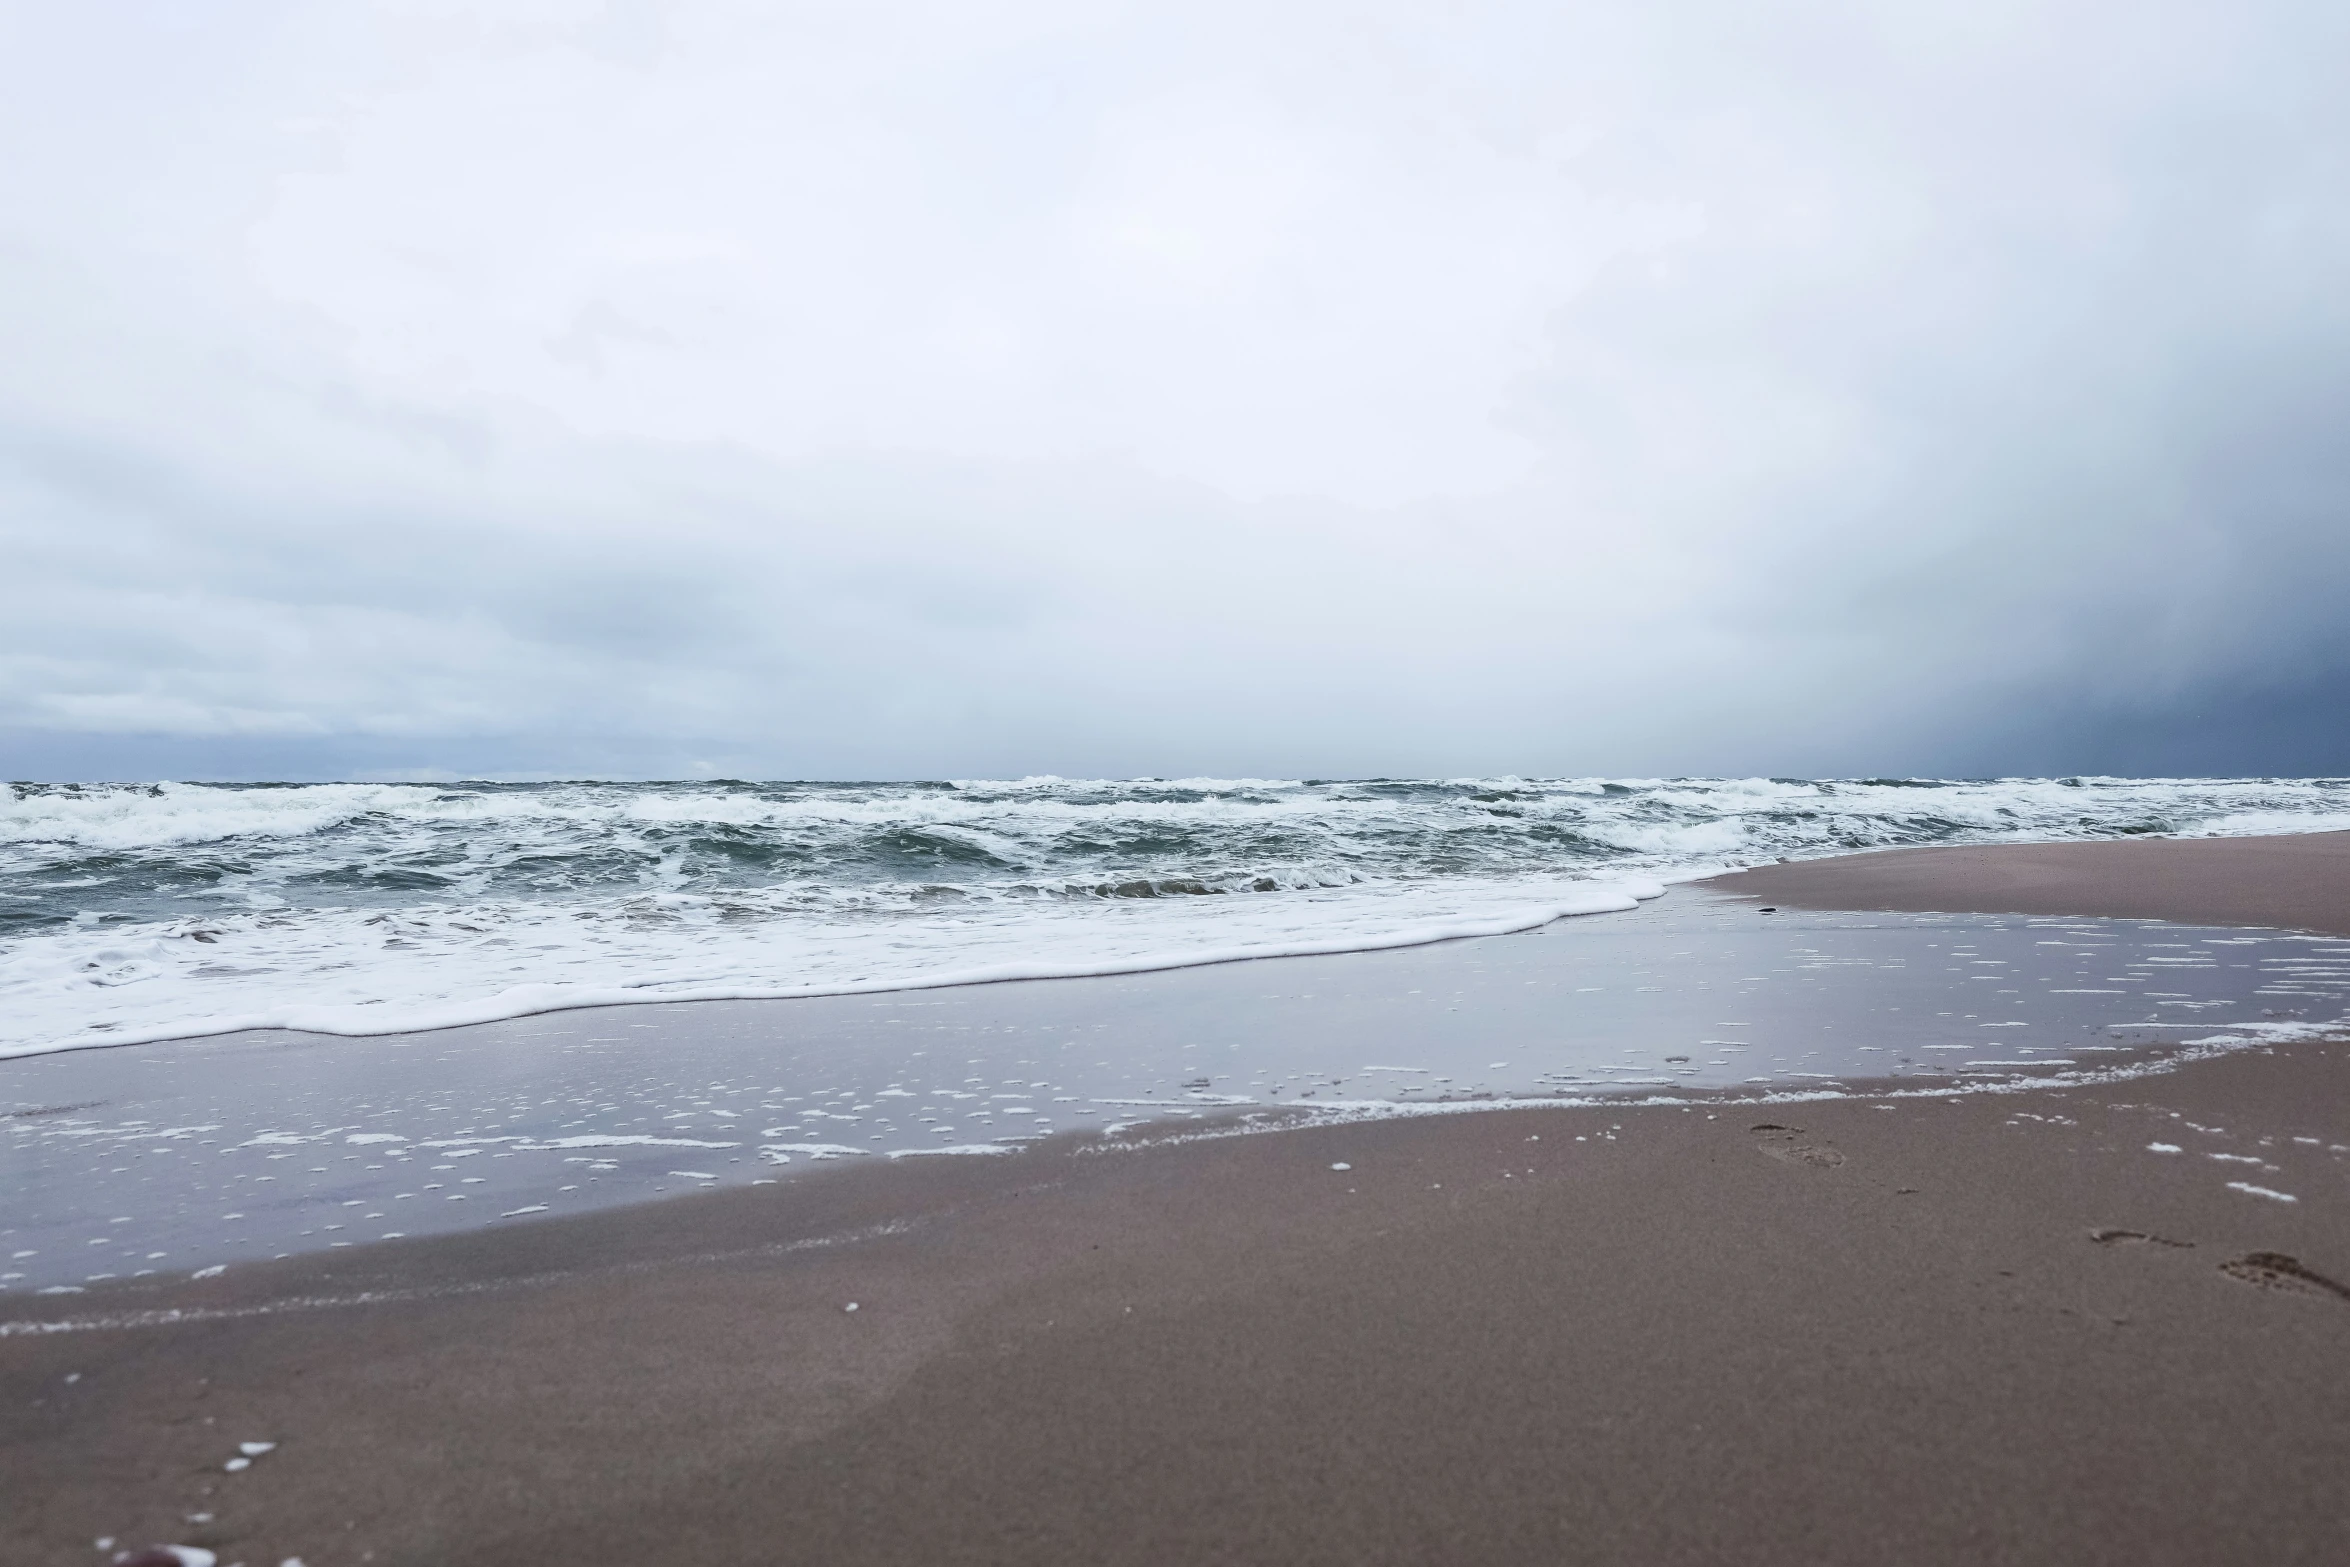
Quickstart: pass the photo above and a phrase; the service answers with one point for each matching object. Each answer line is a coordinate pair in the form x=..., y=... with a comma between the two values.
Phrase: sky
x=630, y=388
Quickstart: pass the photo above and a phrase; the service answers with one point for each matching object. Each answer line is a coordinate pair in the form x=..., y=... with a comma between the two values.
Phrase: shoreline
x=1954, y=1329
x=176, y=1158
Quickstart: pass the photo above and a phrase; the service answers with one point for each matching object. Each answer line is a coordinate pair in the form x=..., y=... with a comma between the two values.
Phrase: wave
x=138, y=912
x=525, y=1000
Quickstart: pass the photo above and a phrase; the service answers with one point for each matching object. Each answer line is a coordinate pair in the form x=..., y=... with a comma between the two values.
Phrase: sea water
x=147, y=912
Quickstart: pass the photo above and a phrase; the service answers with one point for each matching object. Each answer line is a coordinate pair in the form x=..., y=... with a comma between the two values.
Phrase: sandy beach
x=2082, y=1324
x=2299, y=882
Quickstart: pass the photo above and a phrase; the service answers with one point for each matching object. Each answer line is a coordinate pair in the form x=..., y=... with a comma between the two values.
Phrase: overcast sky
x=1277, y=388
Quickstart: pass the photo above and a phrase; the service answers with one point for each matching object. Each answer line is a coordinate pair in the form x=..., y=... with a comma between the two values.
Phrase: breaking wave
x=134, y=912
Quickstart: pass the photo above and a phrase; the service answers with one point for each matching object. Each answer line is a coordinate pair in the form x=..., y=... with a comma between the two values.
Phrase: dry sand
x=1993, y=1329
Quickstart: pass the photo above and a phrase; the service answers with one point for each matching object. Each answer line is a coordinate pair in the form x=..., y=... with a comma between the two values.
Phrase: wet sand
x=2299, y=882
x=1996, y=1328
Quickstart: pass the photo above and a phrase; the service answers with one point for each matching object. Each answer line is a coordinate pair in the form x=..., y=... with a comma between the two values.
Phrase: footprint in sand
x=2136, y=1238
x=2273, y=1270
x=1786, y=1144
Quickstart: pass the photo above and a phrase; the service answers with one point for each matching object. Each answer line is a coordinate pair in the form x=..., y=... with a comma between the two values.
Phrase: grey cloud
x=1909, y=388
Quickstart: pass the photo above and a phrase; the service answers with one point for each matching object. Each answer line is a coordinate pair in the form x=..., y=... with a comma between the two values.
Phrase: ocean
x=153, y=911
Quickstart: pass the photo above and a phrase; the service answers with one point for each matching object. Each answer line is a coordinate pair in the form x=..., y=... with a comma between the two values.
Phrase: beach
x=2300, y=881
x=2094, y=1320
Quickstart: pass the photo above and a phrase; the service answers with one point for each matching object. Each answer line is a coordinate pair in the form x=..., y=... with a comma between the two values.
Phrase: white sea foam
x=331, y=979
x=2250, y=1190
x=979, y=1149
x=619, y=1140
x=151, y=912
